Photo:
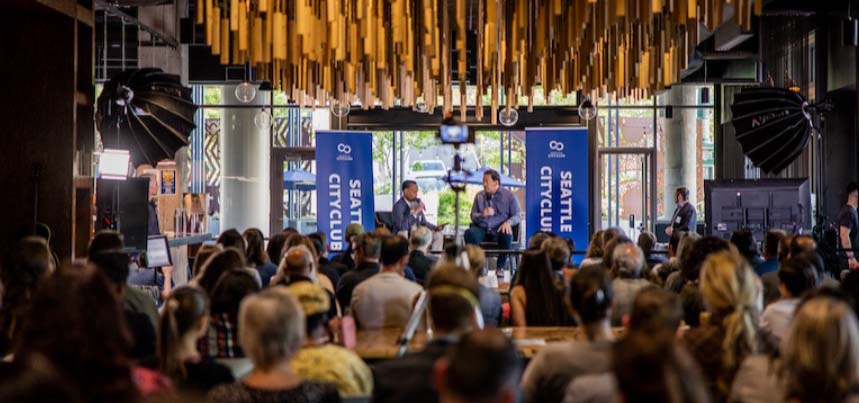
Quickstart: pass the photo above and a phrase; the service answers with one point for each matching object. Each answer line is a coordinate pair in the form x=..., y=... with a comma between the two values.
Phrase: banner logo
x=557, y=149
x=345, y=152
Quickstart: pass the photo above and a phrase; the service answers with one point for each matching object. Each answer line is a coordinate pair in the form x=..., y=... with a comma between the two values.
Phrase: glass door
x=626, y=189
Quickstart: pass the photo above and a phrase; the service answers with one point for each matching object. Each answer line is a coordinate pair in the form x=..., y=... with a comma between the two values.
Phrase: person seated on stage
x=347, y=257
x=320, y=359
x=627, y=268
x=272, y=328
x=297, y=267
x=386, y=298
x=24, y=269
x=483, y=367
x=555, y=366
x=410, y=212
x=494, y=214
x=537, y=299
x=257, y=256
x=490, y=299
x=367, y=248
x=420, y=261
x=454, y=311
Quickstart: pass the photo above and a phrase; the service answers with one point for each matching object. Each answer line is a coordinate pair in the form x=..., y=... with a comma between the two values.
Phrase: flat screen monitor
x=158, y=251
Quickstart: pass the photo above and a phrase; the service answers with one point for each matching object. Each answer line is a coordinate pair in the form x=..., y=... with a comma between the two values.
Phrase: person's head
x=183, y=320
x=395, y=253
x=368, y=247
x=420, y=238
x=320, y=244
x=800, y=244
x=731, y=292
x=476, y=259
x=698, y=253
x=274, y=249
x=255, y=251
x=203, y=255
x=301, y=240
x=25, y=267
x=410, y=190
x=816, y=261
x=651, y=367
x=687, y=242
x=820, y=357
x=545, y=305
x=558, y=252
x=315, y=304
x=627, y=261
x=796, y=276
x=746, y=244
x=590, y=296
x=352, y=231
x=771, y=243
x=646, y=241
x=114, y=265
x=231, y=288
x=611, y=246
x=536, y=241
x=271, y=328
x=482, y=368
x=382, y=232
x=219, y=263
x=853, y=194
x=35, y=381
x=595, y=250
x=231, y=238
x=674, y=243
x=655, y=310
x=78, y=325
x=453, y=300
x=681, y=195
x=491, y=181
x=298, y=261
x=105, y=240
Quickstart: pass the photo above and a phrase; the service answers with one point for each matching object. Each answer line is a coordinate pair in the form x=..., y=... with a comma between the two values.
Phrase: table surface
x=381, y=343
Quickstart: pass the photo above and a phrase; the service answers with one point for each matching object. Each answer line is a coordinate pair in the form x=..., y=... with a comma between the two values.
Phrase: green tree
x=446, y=208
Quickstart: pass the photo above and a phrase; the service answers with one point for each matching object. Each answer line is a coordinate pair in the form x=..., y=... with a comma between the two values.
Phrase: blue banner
x=344, y=183
x=557, y=197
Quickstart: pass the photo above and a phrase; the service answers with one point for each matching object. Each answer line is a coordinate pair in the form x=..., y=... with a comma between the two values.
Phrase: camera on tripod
x=455, y=133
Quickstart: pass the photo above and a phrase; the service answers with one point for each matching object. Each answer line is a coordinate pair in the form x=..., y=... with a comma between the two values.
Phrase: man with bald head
x=627, y=265
x=297, y=266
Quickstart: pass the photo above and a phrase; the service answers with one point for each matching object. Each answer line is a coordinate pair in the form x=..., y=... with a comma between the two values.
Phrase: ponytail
x=183, y=311
x=590, y=295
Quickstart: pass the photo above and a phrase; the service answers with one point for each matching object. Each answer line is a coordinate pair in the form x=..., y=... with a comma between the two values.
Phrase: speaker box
x=124, y=206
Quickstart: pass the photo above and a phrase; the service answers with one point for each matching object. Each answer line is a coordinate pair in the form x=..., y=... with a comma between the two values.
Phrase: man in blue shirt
x=494, y=214
x=770, y=263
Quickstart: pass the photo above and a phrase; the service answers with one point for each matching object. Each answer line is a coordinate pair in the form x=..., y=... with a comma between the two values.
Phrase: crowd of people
x=275, y=320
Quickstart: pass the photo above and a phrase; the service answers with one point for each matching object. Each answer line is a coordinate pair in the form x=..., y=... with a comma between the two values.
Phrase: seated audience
x=559, y=256
x=490, y=299
x=608, y=251
x=221, y=336
x=34, y=381
x=555, y=366
x=595, y=251
x=731, y=293
x=203, y=255
x=347, y=257
x=271, y=327
x=368, y=247
x=647, y=243
x=661, y=272
x=771, y=242
x=791, y=245
x=325, y=276
x=232, y=238
x=386, y=298
x=796, y=276
x=626, y=269
x=420, y=261
x=274, y=249
x=537, y=299
x=184, y=320
x=747, y=245
x=24, y=268
x=454, y=311
x=319, y=359
x=536, y=241
x=257, y=256
x=483, y=367
x=297, y=267
x=228, y=259
x=331, y=269
x=690, y=294
x=677, y=280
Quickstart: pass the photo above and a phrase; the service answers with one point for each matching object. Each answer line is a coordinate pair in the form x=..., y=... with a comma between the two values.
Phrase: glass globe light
x=262, y=119
x=587, y=110
x=340, y=109
x=421, y=106
x=246, y=92
x=508, y=117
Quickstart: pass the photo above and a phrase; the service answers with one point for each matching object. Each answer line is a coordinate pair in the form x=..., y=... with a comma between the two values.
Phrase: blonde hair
x=820, y=361
x=420, y=237
x=732, y=293
x=476, y=259
x=271, y=327
x=595, y=247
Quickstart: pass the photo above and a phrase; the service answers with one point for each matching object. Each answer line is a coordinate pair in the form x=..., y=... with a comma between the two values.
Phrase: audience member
x=771, y=242
x=368, y=247
x=690, y=294
x=219, y=263
x=332, y=269
x=453, y=312
x=731, y=293
x=647, y=243
x=537, y=299
x=608, y=251
x=326, y=277
x=420, y=261
x=536, y=241
x=297, y=267
x=274, y=249
x=661, y=272
x=257, y=256
x=790, y=246
x=490, y=299
x=555, y=366
x=483, y=367
x=796, y=276
x=676, y=280
x=34, y=381
x=25, y=267
x=203, y=255
x=385, y=299
x=353, y=231
x=232, y=238
x=221, y=336
x=184, y=320
x=747, y=245
x=271, y=326
x=595, y=251
x=559, y=256
x=626, y=269
x=319, y=359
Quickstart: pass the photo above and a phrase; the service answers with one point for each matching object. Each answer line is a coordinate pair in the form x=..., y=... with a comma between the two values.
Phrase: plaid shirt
x=221, y=339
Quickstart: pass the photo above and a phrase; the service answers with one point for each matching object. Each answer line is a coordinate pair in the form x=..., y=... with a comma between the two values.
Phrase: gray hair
x=295, y=258
x=628, y=260
x=271, y=327
x=420, y=237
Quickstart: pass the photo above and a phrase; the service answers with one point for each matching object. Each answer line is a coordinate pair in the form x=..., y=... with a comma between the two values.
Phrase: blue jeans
x=476, y=235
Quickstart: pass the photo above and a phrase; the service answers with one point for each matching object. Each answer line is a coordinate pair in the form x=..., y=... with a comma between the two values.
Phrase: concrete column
x=245, y=158
x=681, y=147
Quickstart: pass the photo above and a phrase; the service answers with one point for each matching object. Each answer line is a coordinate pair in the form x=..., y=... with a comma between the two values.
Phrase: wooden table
x=381, y=344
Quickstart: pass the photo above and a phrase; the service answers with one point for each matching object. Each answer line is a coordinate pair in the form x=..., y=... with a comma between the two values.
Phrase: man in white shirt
x=386, y=298
x=796, y=276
